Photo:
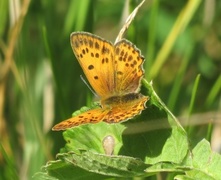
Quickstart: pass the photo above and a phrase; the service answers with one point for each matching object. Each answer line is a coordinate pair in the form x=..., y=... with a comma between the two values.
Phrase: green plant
x=37, y=68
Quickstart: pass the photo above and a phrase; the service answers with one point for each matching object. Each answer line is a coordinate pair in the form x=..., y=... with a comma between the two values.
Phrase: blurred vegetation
x=40, y=81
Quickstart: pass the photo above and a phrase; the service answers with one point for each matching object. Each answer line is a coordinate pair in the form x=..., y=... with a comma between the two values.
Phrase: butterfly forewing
x=95, y=56
x=128, y=67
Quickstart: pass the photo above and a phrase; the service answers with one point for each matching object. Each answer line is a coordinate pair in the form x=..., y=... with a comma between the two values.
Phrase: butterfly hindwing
x=91, y=116
x=124, y=111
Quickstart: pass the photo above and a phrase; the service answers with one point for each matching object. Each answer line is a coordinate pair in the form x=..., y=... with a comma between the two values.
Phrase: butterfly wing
x=125, y=111
x=95, y=56
x=91, y=116
x=128, y=67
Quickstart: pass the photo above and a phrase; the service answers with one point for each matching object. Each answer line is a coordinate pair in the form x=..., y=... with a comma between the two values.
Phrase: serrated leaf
x=63, y=170
x=205, y=163
x=166, y=167
x=117, y=166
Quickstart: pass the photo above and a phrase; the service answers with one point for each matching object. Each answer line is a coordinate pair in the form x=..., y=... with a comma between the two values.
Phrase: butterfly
x=114, y=71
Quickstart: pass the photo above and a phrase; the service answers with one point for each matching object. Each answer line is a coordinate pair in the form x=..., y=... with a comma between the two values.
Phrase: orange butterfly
x=114, y=71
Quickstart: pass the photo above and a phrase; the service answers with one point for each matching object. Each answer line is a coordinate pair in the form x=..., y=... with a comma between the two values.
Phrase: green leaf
x=43, y=175
x=161, y=145
x=166, y=167
x=63, y=170
x=68, y=166
x=174, y=149
x=91, y=136
x=120, y=166
x=205, y=164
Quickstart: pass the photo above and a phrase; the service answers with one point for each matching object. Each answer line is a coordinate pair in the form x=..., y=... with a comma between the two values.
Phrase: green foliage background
x=39, y=76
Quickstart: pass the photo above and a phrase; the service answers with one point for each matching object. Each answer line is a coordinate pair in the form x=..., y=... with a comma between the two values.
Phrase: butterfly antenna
x=85, y=82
